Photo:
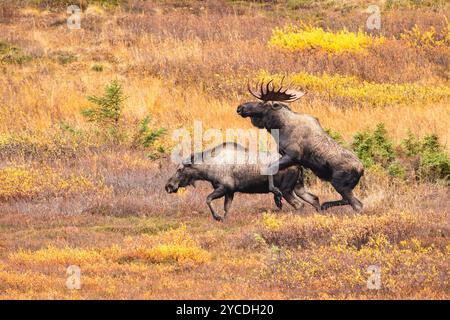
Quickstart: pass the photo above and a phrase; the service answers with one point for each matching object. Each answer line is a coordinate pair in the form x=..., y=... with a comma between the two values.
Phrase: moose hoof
x=278, y=202
x=358, y=208
x=218, y=218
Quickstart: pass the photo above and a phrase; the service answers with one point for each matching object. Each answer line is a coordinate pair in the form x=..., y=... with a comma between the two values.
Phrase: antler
x=270, y=94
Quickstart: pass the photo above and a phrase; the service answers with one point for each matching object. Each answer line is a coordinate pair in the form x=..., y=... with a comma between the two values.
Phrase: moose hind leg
x=346, y=189
x=293, y=200
x=282, y=163
x=308, y=197
x=217, y=193
x=354, y=202
x=327, y=205
x=345, y=185
x=347, y=198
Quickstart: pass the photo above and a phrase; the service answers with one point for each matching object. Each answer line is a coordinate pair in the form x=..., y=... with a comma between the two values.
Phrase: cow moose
x=228, y=176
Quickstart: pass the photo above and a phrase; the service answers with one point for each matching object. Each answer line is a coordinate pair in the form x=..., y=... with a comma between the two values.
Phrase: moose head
x=266, y=112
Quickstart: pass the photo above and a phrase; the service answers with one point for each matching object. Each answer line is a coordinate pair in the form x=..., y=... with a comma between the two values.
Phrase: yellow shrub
x=176, y=253
x=53, y=255
x=22, y=182
x=175, y=245
x=417, y=38
x=43, y=143
x=360, y=91
x=270, y=222
x=21, y=280
x=182, y=191
x=295, y=38
x=16, y=182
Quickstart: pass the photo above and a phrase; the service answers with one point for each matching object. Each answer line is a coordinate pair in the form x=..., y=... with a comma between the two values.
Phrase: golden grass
x=305, y=256
x=177, y=247
x=149, y=95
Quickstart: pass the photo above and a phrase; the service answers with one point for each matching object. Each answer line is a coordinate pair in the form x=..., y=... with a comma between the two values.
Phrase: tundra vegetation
x=82, y=179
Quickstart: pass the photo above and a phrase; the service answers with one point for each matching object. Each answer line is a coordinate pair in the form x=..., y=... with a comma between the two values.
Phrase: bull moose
x=228, y=176
x=302, y=141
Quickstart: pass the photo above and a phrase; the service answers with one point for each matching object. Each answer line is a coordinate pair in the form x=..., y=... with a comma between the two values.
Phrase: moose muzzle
x=171, y=188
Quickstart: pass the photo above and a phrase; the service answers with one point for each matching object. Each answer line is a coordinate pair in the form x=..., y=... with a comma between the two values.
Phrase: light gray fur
x=228, y=177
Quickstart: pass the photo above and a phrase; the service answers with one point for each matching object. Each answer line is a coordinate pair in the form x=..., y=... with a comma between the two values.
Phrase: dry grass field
x=91, y=193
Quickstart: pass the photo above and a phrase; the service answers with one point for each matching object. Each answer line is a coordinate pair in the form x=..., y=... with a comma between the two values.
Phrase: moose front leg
x=282, y=163
x=217, y=193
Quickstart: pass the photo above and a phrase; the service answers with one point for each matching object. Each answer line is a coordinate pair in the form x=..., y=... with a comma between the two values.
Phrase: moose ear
x=185, y=163
x=276, y=105
x=188, y=161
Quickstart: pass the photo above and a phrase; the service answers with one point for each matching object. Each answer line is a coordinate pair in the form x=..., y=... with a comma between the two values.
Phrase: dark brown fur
x=303, y=141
